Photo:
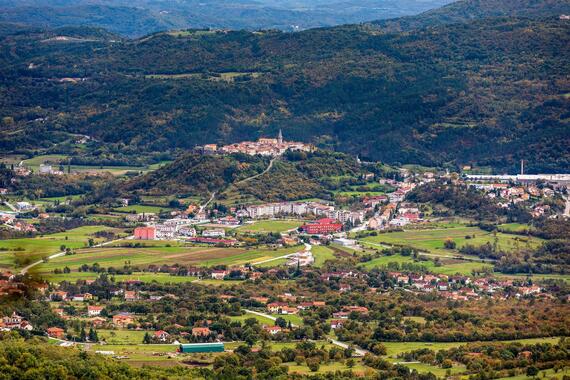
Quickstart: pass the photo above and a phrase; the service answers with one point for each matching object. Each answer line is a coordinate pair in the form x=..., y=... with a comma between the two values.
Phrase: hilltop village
x=264, y=146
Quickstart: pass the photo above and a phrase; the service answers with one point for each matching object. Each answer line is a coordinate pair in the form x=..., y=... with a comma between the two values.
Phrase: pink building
x=145, y=233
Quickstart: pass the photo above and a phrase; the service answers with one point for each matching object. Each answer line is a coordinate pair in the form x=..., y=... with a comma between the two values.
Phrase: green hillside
x=489, y=92
x=468, y=10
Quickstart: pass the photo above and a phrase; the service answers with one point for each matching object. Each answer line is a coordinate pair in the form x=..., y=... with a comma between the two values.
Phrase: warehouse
x=201, y=347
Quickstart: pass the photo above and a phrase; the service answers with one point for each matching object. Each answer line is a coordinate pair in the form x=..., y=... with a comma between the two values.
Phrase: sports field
x=143, y=257
x=432, y=240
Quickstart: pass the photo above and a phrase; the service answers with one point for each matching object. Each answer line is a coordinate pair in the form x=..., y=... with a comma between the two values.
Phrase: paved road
x=357, y=350
x=208, y=202
x=10, y=206
x=59, y=254
x=260, y=174
x=273, y=259
x=308, y=247
x=265, y=316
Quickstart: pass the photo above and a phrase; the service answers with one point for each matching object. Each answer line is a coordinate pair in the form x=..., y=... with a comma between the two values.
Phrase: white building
x=216, y=232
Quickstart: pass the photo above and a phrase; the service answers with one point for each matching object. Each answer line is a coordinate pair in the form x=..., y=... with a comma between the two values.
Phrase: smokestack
x=522, y=167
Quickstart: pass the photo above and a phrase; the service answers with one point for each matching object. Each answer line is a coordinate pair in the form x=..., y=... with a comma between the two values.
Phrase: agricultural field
x=139, y=209
x=447, y=266
x=19, y=252
x=322, y=254
x=358, y=369
x=260, y=319
x=142, y=354
x=432, y=240
x=143, y=257
x=266, y=226
x=53, y=159
x=161, y=278
x=121, y=337
x=514, y=227
x=395, y=348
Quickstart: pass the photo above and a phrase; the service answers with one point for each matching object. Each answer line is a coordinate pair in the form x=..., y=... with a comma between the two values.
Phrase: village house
x=275, y=307
x=336, y=323
x=219, y=274
x=97, y=321
x=201, y=331
x=56, y=332
x=130, y=295
x=161, y=336
x=123, y=319
x=272, y=330
x=93, y=311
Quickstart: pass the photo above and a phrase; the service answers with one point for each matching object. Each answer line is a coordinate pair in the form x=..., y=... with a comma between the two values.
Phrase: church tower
x=280, y=137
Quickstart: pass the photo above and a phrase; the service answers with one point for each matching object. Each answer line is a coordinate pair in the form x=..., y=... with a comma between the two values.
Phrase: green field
x=536, y=276
x=266, y=226
x=28, y=250
x=53, y=159
x=514, y=227
x=395, y=348
x=260, y=319
x=293, y=318
x=432, y=240
x=142, y=257
x=448, y=267
x=139, y=209
x=358, y=369
x=322, y=254
x=544, y=374
x=161, y=278
x=122, y=337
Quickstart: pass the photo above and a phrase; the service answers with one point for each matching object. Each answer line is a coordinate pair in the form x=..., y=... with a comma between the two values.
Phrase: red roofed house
x=336, y=323
x=93, y=311
x=123, y=319
x=130, y=295
x=322, y=227
x=201, y=331
x=56, y=332
x=162, y=335
x=272, y=329
x=275, y=307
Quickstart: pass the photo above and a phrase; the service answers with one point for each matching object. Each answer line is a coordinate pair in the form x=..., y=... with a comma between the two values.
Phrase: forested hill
x=468, y=10
x=489, y=92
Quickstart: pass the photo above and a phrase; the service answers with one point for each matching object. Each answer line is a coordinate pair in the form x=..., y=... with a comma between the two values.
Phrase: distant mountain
x=487, y=92
x=469, y=10
x=140, y=17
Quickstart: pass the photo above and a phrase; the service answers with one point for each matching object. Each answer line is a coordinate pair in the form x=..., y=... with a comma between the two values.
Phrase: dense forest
x=486, y=92
x=467, y=10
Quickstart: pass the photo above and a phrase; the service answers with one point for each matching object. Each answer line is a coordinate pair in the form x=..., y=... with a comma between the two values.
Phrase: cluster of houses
x=264, y=146
x=14, y=322
x=509, y=193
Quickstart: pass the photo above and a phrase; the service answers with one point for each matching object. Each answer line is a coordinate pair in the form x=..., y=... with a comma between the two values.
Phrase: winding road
x=259, y=174
x=213, y=196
